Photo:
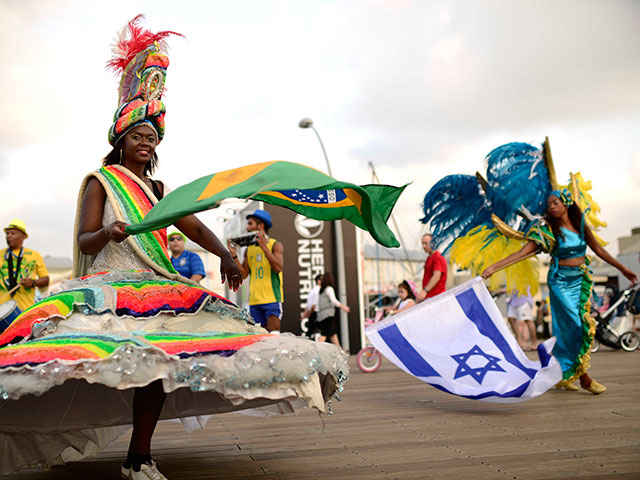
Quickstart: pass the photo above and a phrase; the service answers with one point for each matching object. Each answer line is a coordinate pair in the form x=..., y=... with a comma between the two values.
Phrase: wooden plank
x=390, y=425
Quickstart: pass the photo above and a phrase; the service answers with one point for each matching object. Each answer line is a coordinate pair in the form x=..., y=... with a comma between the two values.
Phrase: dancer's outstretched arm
x=529, y=249
x=600, y=251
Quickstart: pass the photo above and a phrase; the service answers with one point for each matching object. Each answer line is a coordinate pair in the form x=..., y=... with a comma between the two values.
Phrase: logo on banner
x=307, y=227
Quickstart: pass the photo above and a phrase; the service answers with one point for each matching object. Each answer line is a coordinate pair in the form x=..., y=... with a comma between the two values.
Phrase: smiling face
x=555, y=207
x=139, y=144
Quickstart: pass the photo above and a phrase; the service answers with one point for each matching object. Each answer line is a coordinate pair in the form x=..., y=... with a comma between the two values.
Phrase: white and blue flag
x=459, y=343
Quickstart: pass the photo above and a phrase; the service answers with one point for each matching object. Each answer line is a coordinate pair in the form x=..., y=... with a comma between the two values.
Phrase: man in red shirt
x=435, y=271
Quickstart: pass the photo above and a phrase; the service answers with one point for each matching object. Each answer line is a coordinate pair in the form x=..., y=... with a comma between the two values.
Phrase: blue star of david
x=476, y=373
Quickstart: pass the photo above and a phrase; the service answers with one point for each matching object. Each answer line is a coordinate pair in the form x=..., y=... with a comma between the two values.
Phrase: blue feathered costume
x=483, y=219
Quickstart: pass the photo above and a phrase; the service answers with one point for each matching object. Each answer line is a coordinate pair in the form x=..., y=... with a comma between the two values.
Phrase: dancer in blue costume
x=515, y=211
x=565, y=237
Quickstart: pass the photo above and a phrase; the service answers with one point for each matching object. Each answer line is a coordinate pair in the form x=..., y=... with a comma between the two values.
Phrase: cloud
x=420, y=89
x=493, y=66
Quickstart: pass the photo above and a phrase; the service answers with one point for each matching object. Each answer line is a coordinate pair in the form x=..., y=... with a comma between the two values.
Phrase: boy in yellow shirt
x=264, y=263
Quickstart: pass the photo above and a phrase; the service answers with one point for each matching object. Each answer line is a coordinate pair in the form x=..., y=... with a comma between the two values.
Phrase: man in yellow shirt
x=264, y=263
x=22, y=269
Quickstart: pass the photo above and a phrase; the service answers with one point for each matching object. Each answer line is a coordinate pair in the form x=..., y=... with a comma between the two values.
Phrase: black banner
x=309, y=247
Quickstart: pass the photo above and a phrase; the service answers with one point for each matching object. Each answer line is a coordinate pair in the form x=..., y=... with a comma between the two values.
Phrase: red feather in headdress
x=138, y=38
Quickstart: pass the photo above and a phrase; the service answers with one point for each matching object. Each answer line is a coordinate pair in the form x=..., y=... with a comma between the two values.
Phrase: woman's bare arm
x=524, y=252
x=92, y=236
x=600, y=251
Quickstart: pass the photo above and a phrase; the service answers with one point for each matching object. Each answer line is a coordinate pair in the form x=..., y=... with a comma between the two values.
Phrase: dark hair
x=114, y=158
x=318, y=277
x=404, y=284
x=327, y=281
x=575, y=217
x=260, y=222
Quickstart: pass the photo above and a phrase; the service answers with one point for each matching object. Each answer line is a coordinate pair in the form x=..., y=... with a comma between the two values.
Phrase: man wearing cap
x=188, y=264
x=264, y=263
x=22, y=269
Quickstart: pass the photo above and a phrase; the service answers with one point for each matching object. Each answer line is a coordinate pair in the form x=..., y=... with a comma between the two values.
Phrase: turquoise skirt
x=573, y=326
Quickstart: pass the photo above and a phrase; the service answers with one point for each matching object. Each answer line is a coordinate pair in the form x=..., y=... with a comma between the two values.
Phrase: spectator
x=264, y=262
x=22, y=269
x=327, y=310
x=434, y=280
x=612, y=295
x=311, y=310
x=520, y=317
x=543, y=318
x=406, y=298
x=188, y=264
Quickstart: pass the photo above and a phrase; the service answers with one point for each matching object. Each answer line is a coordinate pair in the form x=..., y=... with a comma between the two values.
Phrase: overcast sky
x=421, y=89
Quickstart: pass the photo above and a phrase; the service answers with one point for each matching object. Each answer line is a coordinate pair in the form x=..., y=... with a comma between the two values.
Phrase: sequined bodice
x=571, y=245
x=116, y=256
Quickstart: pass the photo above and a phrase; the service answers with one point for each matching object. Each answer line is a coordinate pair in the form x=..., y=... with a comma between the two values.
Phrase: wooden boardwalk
x=390, y=425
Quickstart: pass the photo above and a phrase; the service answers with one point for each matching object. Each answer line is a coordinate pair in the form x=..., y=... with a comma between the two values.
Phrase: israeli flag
x=459, y=343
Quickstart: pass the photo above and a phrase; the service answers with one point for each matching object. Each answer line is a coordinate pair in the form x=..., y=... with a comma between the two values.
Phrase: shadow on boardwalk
x=390, y=425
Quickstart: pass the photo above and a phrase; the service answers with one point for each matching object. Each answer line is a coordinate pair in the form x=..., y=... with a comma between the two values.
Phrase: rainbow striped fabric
x=135, y=298
x=135, y=205
x=72, y=348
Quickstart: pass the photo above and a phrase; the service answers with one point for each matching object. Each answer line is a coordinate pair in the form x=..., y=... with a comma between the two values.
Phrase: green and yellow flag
x=286, y=184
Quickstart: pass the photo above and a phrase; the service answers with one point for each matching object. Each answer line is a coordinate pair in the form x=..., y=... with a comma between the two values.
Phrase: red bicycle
x=369, y=359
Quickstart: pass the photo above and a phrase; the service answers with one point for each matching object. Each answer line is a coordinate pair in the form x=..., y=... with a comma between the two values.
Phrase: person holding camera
x=263, y=260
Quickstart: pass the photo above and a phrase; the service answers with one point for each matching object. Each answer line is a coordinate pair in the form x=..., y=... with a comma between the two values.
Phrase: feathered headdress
x=482, y=219
x=140, y=57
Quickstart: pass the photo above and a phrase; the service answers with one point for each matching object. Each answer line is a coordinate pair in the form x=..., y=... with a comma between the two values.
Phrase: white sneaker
x=147, y=472
x=124, y=472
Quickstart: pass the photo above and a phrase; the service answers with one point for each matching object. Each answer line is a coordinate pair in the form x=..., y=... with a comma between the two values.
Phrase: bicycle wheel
x=629, y=341
x=368, y=360
x=595, y=346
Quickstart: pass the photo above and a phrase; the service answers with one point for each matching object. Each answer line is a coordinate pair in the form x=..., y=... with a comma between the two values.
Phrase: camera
x=245, y=240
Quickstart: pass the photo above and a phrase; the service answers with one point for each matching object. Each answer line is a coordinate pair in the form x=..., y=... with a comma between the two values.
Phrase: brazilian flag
x=286, y=184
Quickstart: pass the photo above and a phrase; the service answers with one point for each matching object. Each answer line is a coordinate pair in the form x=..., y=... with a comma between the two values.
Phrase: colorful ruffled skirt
x=69, y=365
x=573, y=326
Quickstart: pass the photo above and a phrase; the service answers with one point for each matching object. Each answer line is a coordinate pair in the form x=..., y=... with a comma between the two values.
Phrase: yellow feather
x=484, y=246
x=586, y=203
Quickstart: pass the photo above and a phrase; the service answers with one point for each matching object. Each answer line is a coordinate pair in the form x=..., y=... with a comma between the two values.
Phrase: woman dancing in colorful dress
x=565, y=237
x=130, y=335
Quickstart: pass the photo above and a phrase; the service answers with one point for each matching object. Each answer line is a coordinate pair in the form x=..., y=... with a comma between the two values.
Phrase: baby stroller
x=605, y=334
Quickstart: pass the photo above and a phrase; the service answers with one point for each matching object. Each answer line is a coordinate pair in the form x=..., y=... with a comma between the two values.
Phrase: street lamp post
x=342, y=278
